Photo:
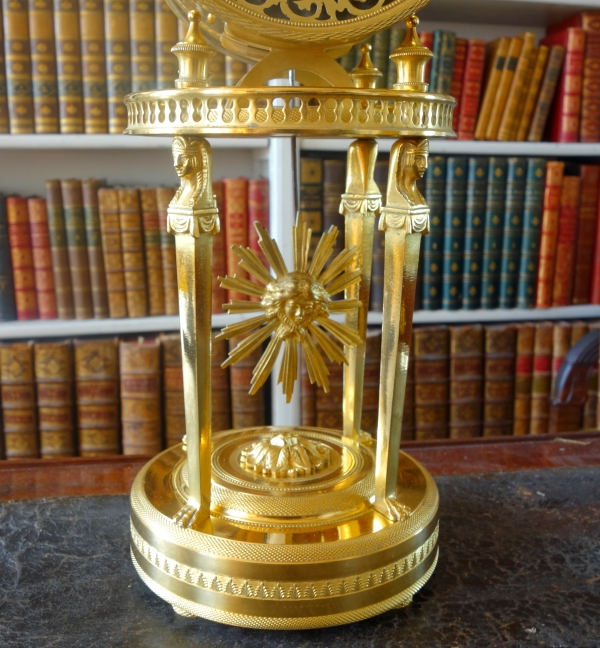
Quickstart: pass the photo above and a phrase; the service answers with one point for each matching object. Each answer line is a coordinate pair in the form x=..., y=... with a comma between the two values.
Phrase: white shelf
x=471, y=147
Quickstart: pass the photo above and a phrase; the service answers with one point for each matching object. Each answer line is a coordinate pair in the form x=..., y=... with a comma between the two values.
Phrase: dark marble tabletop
x=519, y=566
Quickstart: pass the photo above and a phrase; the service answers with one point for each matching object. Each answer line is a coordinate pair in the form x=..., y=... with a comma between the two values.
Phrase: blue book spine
x=433, y=243
x=435, y=63
x=8, y=310
x=446, y=62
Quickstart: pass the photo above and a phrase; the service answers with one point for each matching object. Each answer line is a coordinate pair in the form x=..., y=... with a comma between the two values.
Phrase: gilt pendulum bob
x=293, y=527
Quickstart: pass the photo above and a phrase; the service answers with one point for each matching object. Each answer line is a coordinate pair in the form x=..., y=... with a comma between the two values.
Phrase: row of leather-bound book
x=88, y=251
x=65, y=66
x=505, y=232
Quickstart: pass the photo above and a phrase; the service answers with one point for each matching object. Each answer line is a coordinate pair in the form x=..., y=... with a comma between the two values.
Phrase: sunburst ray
x=332, y=350
x=252, y=264
x=344, y=281
x=240, y=328
x=271, y=251
x=243, y=285
x=323, y=251
x=243, y=306
x=246, y=346
x=341, y=262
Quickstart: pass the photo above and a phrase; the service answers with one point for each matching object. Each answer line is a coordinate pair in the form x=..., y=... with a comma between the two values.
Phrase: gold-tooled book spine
x=308, y=396
x=258, y=211
x=72, y=200
x=234, y=70
x=93, y=233
x=97, y=396
x=221, y=390
x=68, y=58
x=561, y=343
x=167, y=251
x=42, y=258
x=132, y=243
x=19, y=89
x=496, y=58
x=546, y=94
x=466, y=379
x=532, y=92
x=431, y=382
x=334, y=184
x=246, y=410
x=500, y=349
x=59, y=251
x=54, y=379
x=219, y=259
x=523, y=379
x=118, y=62
x=110, y=227
x=165, y=24
x=4, y=123
x=408, y=414
x=236, y=227
x=311, y=197
x=93, y=66
x=329, y=405
x=370, y=402
x=154, y=272
x=172, y=389
x=17, y=387
x=542, y=378
x=43, y=66
x=141, y=419
x=143, y=54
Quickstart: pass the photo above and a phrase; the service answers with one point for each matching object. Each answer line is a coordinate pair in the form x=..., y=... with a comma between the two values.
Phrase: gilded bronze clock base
x=293, y=541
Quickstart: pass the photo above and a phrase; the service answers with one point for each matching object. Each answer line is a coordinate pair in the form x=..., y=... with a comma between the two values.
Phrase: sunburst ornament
x=296, y=307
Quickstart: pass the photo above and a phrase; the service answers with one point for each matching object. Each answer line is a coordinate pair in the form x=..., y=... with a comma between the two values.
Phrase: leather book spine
x=466, y=380
x=564, y=268
x=173, y=407
x=380, y=55
x=512, y=233
x=561, y=343
x=454, y=231
x=446, y=62
x=590, y=409
x=97, y=397
x=220, y=387
x=334, y=185
x=236, y=227
x=492, y=234
x=118, y=62
x=132, y=245
x=22, y=258
x=595, y=279
x=564, y=116
x=93, y=66
x=19, y=86
x=431, y=382
x=154, y=273
x=72, y=200
x=216, y=70
x=549, y=233
x=542, y=378
x=110, y=228
x=530, y=241
x=433, y=243
x=496, y=58
x=68, y=58
x=471, y=89
x=165, y=27
x=4, y=123
x=141, y=418
x=532, y=92
x=219, y=263
x=436, y=48
x=311, y=197
x=167, y=251
x=308, y=396
x=568, y=417
x=458, y=77
x=234, y=70
x=397, y=34
x=42, y=258
x=370, y=403
x=586, y=231
x=93, y=234
x=17, y=387
x=53, y=362
x=376, y=296
x=59, y=251
x=474, y=222
x=500, y=349
x=545, y=97
x=523, y=379
x=329, y=405
x=43, y=66
x=258, y=210
x=8, y=309
x=246, y=410
x=143, y=54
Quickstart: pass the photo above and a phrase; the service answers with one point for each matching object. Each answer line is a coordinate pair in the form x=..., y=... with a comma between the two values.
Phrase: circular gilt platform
x=306, y=112
x=293, y=540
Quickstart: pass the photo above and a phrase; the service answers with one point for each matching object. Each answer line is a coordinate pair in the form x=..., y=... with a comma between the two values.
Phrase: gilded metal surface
x=365, y=74
x=193, y=54
x=410, y=60
x=296, y=308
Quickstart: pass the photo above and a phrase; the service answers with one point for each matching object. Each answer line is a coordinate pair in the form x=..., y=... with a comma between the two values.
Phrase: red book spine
x=552, y=191
x=566, y=109
x=586, y=233
x=564, y=269
x=471, y=90
x=595, y=287
x=22, y=258
x=219, y=267
x=427, y=41
x=258, y=210
x=236, y=227
x=42, y=258
x=458, y=75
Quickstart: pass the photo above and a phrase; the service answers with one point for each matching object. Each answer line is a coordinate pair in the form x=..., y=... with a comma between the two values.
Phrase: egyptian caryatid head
x=191, y=159
x=412, y=166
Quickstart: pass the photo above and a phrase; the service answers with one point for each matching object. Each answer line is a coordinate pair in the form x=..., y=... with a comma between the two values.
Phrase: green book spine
x=380, y=54
x=492, y=235
x=397, y=33
x=433, y=243
x=311, y=197
x=454, y=231
x=446, y=63
x=474, y=221
x=512, y=231
x=8, y=310
x=435, y=62
x=530, y=241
